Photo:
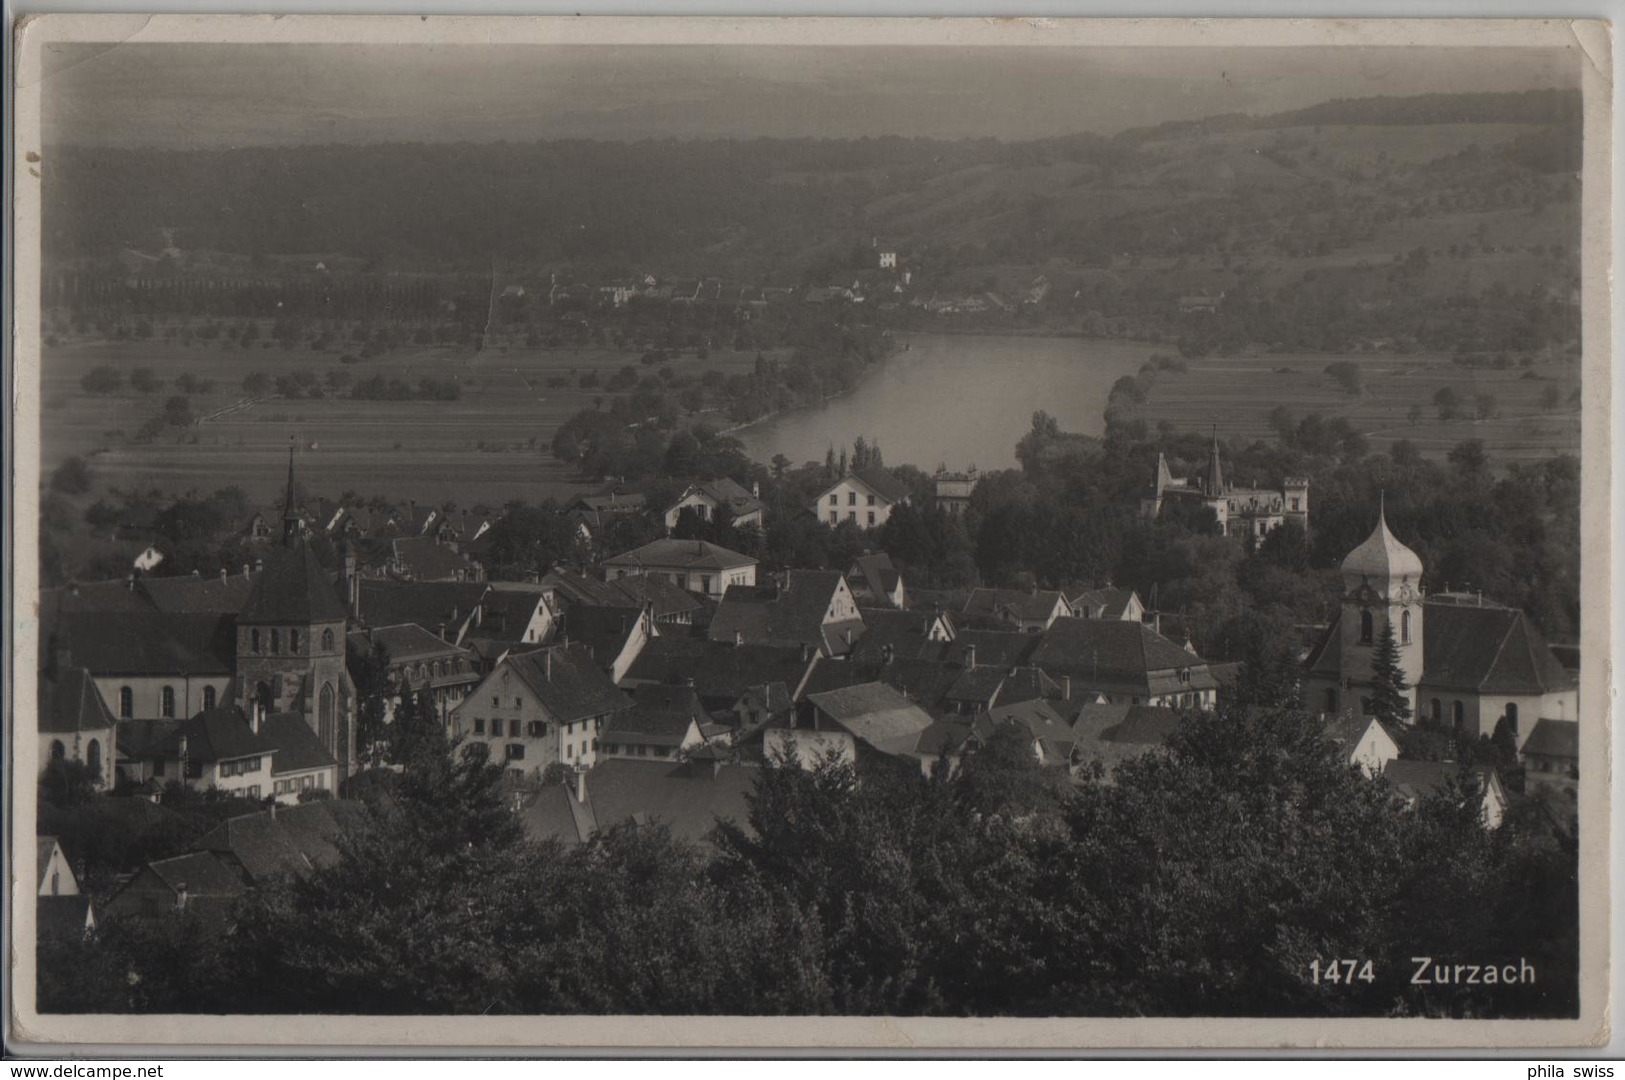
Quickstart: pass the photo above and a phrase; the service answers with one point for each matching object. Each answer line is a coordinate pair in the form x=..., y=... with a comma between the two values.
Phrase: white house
x=709, y=496
x=1363, y=741
x=864, y=497
x=696, y=565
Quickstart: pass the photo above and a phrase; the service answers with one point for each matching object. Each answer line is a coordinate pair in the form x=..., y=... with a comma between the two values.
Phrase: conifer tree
x=1388, y=701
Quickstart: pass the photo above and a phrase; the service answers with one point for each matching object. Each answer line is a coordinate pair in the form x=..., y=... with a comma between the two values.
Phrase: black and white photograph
x=540, y=523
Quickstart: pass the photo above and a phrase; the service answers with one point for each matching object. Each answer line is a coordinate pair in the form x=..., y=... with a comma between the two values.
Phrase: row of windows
x=536, y=729
x=299, y=783
x=255, y=641
x=166, y=701
x=93, y=754
x=638, y=750
x=496, y=702
x=240, y=768
x=851, y=515
x=851, y=499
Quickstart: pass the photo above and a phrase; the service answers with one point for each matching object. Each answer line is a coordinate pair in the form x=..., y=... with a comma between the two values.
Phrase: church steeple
x=1213, y=479
x=292, y=527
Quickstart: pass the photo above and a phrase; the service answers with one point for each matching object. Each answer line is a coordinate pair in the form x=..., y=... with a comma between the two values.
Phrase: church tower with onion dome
x=1382, y=586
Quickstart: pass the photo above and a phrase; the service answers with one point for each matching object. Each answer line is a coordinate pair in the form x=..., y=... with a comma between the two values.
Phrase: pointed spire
x=1213, y=480
x=291, y=527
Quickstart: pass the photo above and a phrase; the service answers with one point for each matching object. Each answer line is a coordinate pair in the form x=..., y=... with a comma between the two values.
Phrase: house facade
x=865, y=497
x=541, y=708
x=1250, y=513
x=708, y=496
x=698, y=566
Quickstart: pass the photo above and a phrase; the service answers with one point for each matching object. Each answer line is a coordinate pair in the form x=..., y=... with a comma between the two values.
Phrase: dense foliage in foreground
x=1202, y=880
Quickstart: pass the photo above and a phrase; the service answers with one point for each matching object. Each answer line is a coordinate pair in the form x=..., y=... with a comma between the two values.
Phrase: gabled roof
x=877, y=480
x=1553, y=738
x=1113, y=652
x=509, y=607
x=425, y=558
x=671, y=554
x=293, y=588
x=259, y=845
x=1419, y=779
x=150, y=642
x=720, y=670
x=219, y=734
x=69, y=702
x=790, y=614
x=1346, y=729
x=905, y=633
x=1106, y=603
x=875, y=573
x=580, y=589
x=602, y=631
x=995, y=648
x=724, y=491
x=316, y=827
x=664, y=598
x=1023, y=604
x=407, y=643
x=688, y=799
x=426, y=603
x=91, y=596
x=44, y=848
x=1487, y=649
x=612, y=501
x=875, y=713
x=297, y=747
x=987, y=686
x=201, y=873
x=554, y=814
x=567, y=682
x=1041, y=723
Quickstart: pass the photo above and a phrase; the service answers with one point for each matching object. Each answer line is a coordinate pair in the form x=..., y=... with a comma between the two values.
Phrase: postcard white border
x=263, y=1035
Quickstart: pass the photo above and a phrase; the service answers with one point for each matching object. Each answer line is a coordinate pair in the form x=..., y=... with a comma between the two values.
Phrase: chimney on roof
x=581, y=786
x=129, y=582
x=256, y=716
x=180, y=896
x=443, y=636
x=970, y=657
x=1066, y=688
x=245, y=570
x=222, y=575
x=756, y=489
x=547, y=665
x=739, y=638
x=259, y=564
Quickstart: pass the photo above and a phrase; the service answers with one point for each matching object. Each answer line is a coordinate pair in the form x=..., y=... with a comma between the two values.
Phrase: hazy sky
x=225, y=95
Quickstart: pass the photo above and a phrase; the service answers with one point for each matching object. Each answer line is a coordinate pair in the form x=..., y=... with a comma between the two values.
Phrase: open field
x=490, y=446
x=1238, y=394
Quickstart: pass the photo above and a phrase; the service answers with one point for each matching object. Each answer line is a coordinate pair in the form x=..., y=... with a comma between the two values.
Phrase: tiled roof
x=150, y=643
x=681, y=555
x=198, y=595
x=316, y=827
x=1041, y=722
x=664, y=598
x=1023, y=604
x=69, y=702
x=906, y=633
x=407, y=643
x=508, y=609
x=882, y=483
x=1553, y=738
x=423, y=558
x=258, y=843
x=554, y=814
x=1419, y=779
x=1110, y=652
x=426, y=603
x=875, y=713
x=578, y=589
x=201, y=872
x=720, y=670
x=568, y=683
x=876, y=573
x=1106, y=603
x=93, y=596
x=293, y=588
x=624, y=501
x=1488, y=649
x=1345, y=729
x=602, y=631
x=789, y=614
x=688, y=799
x=297, y=747
x=994, y=648
x=219, y=734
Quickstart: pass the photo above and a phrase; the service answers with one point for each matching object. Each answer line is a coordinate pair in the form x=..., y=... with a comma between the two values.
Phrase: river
x=958, y=400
